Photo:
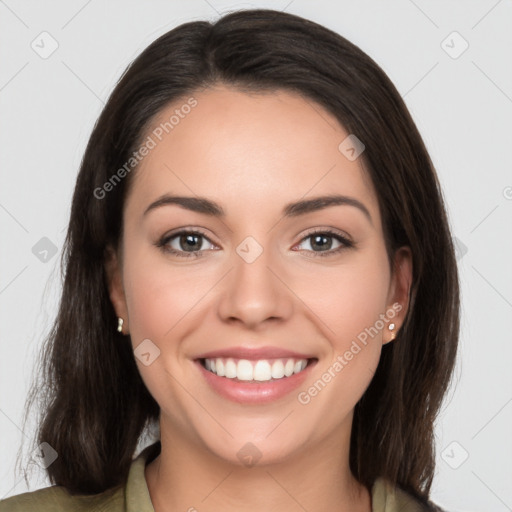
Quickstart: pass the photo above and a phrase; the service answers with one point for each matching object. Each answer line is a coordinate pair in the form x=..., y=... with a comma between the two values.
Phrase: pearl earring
x=119, y=324
x=391, y=327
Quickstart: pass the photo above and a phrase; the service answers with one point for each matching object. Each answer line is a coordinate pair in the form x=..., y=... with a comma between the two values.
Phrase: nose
x=255, y=293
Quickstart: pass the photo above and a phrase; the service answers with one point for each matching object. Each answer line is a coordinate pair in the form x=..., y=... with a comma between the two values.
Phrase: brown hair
x=95, y=406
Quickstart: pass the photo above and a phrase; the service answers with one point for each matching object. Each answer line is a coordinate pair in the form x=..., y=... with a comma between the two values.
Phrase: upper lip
x=254, y=353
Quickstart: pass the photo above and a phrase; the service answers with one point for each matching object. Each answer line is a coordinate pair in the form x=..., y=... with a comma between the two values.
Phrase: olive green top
x=134, y=496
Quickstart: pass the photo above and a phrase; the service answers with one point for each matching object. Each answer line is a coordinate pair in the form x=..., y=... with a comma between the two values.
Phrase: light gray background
x=461, y=105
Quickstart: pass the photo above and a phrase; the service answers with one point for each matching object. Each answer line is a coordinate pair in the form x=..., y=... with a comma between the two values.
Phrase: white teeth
x=244, y=370
x=219, y=369
x=289, y=367
x=278, y=370
x=299, y=366
x=261, y=370
x=230, y=369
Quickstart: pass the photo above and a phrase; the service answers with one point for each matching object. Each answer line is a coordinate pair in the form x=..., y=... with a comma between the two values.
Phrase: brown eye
x=185, y=243
x=321, y=243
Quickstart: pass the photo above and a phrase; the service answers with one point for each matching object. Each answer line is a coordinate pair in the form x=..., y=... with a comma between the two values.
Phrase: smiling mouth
x=261, y=370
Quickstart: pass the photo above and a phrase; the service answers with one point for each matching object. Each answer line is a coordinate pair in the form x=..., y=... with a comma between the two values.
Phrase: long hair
x=95, y=406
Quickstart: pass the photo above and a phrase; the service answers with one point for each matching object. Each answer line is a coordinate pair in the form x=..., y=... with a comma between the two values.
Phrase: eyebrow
x=295, y=209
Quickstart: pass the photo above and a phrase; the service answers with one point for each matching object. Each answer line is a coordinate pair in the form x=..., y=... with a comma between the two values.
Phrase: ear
x=398, y=300
x=113, y=272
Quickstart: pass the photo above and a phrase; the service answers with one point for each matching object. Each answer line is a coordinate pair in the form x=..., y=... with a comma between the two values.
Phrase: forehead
x=248, y=151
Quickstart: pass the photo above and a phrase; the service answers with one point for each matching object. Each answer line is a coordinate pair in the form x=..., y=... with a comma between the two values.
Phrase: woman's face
x=256, y=286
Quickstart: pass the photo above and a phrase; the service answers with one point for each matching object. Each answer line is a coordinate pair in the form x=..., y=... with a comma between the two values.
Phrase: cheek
x=350, y=301
x=160, y=299
x=150, y=305
x=362, y=301
x=352, y=308
x=360, y=327
x=349, y=298
x=159, y=293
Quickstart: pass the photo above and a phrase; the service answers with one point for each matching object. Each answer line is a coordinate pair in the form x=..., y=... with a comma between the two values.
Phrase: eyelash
x=162, y=243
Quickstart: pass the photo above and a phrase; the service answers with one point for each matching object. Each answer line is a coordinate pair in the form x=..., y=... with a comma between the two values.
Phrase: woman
x=258, y=259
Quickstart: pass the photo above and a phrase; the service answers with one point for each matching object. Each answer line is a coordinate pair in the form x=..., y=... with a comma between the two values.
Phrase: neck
x=189, y=478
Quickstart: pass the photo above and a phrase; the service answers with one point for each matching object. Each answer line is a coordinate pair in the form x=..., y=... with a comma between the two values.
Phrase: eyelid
x=328, y=230
x=187, y=230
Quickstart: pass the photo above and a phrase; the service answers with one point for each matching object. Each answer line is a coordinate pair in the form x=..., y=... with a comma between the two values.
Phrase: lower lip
x=254, y=392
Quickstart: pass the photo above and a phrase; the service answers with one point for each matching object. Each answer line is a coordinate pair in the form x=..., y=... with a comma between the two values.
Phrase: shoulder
x=389, y=498
x=132, y=497
x=58, y=499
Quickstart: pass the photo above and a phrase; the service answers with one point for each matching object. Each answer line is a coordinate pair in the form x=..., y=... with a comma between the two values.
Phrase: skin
x=254, y=154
